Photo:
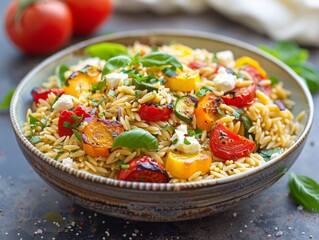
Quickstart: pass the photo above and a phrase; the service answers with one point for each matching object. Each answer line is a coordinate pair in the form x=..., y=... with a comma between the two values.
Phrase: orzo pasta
x=161, y=114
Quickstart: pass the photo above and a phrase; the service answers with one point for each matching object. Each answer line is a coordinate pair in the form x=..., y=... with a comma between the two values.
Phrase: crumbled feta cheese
x=226, y=58
x=68, y=162
x=64, y=102
x=113, y=79
x=192, y=145
x=224, y=81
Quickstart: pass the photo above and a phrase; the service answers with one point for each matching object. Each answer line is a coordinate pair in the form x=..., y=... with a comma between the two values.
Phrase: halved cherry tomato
x=98, y=136
x=197, y=65
x=144, y=169
x=241, y=97
x=185, y=165
x=227, y=145
x=38, y=27
x=42, y=93
x=247, y=61
x=206, y=111
x=153, y=113
x=69, y=120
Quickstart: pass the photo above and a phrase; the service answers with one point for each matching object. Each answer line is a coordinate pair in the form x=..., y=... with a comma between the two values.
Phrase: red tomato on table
x=88, y=15
x=227, y=145
x=41, y=27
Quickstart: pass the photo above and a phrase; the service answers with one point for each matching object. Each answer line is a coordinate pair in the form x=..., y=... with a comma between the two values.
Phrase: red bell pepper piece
x=42, y=93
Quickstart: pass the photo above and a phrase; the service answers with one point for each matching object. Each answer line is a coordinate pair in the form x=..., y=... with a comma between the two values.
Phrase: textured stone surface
x=29, y=208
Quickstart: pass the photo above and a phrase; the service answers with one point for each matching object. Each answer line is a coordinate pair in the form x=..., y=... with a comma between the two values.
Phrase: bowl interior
x=299, y=93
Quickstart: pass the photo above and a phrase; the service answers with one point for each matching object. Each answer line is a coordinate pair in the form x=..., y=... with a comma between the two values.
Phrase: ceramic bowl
x=155, y=201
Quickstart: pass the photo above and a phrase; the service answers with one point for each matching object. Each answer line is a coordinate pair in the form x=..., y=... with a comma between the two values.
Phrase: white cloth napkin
x=280, y=19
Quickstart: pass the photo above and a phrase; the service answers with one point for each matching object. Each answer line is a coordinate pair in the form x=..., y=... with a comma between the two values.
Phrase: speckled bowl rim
x=158, y=186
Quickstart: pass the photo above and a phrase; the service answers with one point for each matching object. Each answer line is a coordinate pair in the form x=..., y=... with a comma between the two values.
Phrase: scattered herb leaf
x=203, y=91
x=106, y=50
x=59, y=72
x=266, y=154
x=35, y=139
x=5, y=103
x=77, y=135
x=123, y=165
x=158, y=59
x=186, y=141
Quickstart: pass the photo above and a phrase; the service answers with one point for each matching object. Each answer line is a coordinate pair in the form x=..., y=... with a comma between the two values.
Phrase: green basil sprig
x=297, y=59
x=157, y=59
x=5, y=103
x=266, y=154
x=135, y=139
x=106, y=50
x=59, y=72
x=304, y=191
x=115, y=63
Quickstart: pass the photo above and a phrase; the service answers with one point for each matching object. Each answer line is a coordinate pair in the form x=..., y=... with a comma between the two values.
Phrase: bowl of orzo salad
x=161, y=125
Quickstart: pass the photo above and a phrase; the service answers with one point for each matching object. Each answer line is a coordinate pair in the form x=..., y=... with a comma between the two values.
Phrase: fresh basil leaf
x=308, y=73
x=169, y=71
x=266, y=154
x=157, y=59
x=123, y=165
x=67, y=124
x=174, y=141
x=76, y=117
x=98, y=86
x=115, y=63
x=247, y=125
x=186, y=142
x=135, y=139
x=35, y=139
x=274, y=80
x=33, y=121
x=59, y=72
x=203, y=91
x=237, y=113
x=304, y=191
x=136, y=59
x=96, y=104
x=106, y=50
x=5, y=103
x=77, y=135
x=191, y=133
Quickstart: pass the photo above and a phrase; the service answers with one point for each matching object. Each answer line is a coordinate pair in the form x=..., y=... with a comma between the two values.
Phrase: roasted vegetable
x=244, y=61
x=70, y=120
x=153, y=112
x=241, y=97
x=80, y=82
x=227, y=145
x=206, y=112
x=143, y=169
x=186, y=80
x=98, y=136
x=185, y=165
x=42, y=93
x=184, y=108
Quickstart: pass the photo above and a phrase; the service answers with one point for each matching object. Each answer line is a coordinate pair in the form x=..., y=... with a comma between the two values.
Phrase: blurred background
x=30, y=209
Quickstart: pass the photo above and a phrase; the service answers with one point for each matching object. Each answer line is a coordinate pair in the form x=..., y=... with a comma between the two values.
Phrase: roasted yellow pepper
x=251, y=62
x=185, y=165
x=80, y=82
x=186, y=80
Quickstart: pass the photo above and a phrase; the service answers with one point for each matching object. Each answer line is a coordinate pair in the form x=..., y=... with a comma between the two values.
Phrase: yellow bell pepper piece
x=186, y=80
x=185, y=165
x=80, y=82
x=182, y=50
x=251, y=62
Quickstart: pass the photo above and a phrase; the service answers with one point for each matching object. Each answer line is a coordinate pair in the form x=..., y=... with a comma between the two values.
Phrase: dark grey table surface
x=29, y=207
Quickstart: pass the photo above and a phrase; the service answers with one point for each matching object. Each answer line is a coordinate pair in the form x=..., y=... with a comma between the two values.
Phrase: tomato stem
x=23, y=4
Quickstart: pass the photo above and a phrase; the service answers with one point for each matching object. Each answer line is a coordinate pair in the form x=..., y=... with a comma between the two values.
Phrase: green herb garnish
x=237, y=113
x=35, y=139
x=106, y=50
x=59, y=72
x=304, y=191
x=5, y=103
x=123, y=165
x=266, y=154
x=203, y=91
x=186, y=141
x=77, y=135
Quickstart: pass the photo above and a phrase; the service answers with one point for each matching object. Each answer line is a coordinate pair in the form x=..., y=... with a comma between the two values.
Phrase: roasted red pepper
x=143, y=169
x=197, y=64
x=257, y=77
x=241, y=97
x=227, y=145
x=153, y=113
x=71, y=119
x=42, y=93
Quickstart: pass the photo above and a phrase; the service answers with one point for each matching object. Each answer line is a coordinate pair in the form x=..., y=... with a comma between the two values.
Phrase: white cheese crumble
x=191, y=146
x=113, y=79
x=224, y=81
x=68, y=162
x=64, y=102
x=226, y=58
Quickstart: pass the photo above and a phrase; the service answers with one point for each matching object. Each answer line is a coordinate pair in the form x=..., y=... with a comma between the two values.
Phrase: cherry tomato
x=41, y=27
x=257, y=76
x=69, y=120
x=153, y=113
x=227, y=145
x=241, y=97
x=88, y=15
x=42, y=93
x=144, y=169
x=197, y=65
